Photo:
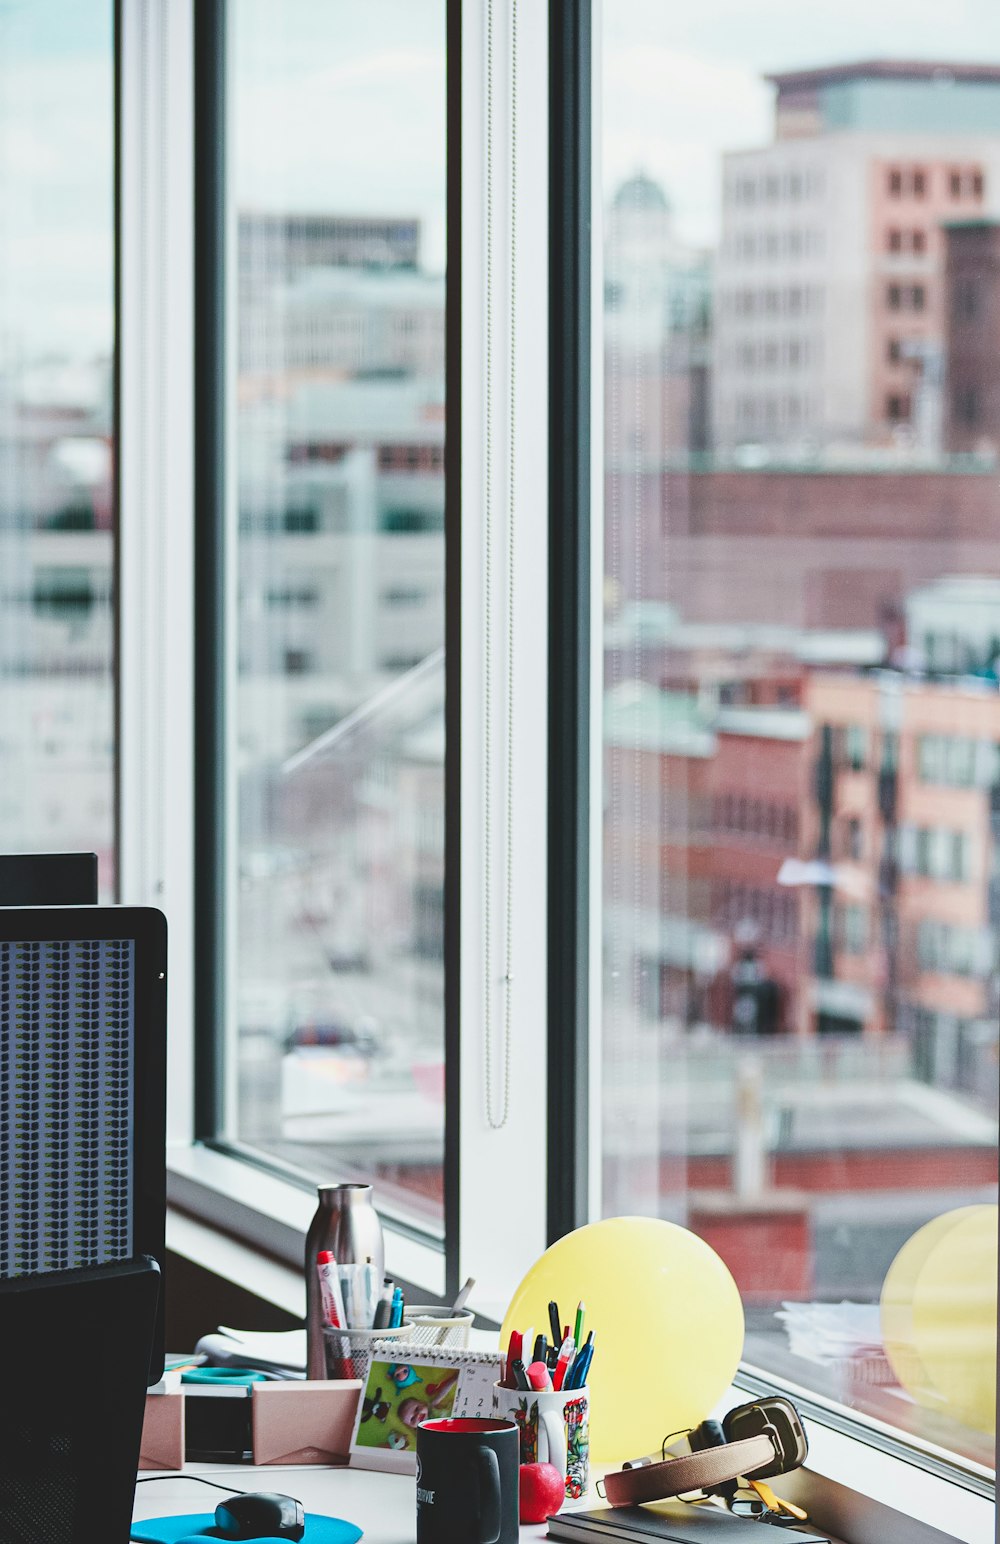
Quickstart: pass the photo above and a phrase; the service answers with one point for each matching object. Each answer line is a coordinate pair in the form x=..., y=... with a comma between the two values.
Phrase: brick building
x=972, y=399
x=829, y=303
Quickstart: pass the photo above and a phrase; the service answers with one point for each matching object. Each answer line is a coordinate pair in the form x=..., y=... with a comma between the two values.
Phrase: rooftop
x=939, y=71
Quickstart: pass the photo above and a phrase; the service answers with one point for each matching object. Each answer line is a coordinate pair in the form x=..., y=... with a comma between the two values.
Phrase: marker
x=397, y=1308
x=329, y=1289
x=566, y=1351
x=578, y=1327
x=541, y=1348
x=513, y=1352
x=520, y=1375
x=383, y=1313
x=554, y=1323
x=538, y=1377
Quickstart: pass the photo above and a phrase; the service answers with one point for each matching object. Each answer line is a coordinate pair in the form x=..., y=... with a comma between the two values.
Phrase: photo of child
x=397, y=1398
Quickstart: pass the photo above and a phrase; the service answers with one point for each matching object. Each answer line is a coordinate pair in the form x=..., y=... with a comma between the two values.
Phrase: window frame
x=173, y=849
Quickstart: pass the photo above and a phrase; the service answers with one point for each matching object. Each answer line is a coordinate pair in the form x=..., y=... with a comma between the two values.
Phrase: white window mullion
x=502, y=1172
x=156, y=617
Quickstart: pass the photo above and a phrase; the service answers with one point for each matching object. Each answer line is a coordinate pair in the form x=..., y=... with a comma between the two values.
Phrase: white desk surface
x=384, y=1505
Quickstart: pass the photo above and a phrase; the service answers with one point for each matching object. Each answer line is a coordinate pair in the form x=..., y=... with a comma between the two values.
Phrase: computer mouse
x=260, y=1514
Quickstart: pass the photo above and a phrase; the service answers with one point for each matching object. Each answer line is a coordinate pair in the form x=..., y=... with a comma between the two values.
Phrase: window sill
x=867, y=1496
x=271, y=1215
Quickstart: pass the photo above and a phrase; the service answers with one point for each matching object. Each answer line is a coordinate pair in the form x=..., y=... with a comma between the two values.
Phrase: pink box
x=162, y=1445
x=304, y=1423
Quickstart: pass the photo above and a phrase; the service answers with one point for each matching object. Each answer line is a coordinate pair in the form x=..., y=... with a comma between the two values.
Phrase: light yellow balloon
x=896, y=1304
x=667, y=1322
x=955, y=1319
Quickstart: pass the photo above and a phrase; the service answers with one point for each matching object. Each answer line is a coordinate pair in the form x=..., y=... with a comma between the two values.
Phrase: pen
x=566, y=1351
x=397, y=1308
x=541, y=1346
x=581, y=1366
x=554, y=1323
x=578, y=1327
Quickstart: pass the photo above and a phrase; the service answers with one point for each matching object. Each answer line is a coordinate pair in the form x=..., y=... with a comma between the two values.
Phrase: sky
x=340, y=106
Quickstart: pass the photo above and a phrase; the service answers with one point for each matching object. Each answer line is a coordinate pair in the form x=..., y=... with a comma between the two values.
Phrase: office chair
x=76, y=1352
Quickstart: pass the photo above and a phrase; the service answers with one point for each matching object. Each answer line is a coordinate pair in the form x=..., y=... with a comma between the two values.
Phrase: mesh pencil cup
x=349, y=1352
x=433, y=1326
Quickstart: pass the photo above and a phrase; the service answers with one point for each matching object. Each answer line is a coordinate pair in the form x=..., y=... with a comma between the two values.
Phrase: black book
x=674, y=1522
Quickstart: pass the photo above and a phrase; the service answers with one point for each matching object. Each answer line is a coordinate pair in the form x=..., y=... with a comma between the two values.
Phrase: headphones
x=759, y=1439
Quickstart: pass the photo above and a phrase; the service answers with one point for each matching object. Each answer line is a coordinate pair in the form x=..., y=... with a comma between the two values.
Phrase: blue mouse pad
x=201, y=1525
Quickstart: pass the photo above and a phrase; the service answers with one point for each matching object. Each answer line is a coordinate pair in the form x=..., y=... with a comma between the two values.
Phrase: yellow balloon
x=667, y=1322
x=896, y=1304
x=955, y=1319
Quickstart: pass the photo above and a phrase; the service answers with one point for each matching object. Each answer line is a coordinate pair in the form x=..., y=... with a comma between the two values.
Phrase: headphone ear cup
x=708, y=1434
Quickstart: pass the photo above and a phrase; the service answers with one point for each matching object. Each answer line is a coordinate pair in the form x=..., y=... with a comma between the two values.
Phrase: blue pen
x=581, y=1367
x=397, y=1309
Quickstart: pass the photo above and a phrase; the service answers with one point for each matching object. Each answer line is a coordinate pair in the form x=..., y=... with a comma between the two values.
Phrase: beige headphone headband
x=694, y=1471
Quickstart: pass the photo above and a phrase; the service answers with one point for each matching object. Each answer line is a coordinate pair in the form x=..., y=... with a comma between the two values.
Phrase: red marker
x=538, y=1377
x=513, y=1355
x=566, y=1353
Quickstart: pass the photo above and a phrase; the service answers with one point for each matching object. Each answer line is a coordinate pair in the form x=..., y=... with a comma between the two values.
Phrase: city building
x=657, y=327
x=972, y=310
x=274, y=245
x=830, y=281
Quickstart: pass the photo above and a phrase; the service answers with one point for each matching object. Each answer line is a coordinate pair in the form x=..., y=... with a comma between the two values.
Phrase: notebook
x=407, y=1383
x=673, y=1522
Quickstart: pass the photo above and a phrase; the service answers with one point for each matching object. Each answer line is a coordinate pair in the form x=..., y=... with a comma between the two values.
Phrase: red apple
x=543, y=1491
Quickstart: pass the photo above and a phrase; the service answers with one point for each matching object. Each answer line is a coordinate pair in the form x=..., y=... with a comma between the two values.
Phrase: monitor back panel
x=82, y=1087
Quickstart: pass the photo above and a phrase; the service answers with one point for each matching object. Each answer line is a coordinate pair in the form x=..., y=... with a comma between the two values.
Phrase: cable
x=151, y=1479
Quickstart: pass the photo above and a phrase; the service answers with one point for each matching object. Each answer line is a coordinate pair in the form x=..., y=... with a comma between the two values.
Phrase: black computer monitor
x=83, y=993
x=48, y=879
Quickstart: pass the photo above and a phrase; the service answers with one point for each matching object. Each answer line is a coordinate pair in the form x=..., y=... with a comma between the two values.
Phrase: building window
x=895, y=241
x=955, y=183
x=918, y=297
x=894, y=297
x=919, y=241
x=894, y=351
x=895, y=182
x=897, y=407
x=919, y=182
x=967, y=410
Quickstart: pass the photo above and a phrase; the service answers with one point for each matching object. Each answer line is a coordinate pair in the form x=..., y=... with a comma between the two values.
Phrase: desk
x=384, y=1505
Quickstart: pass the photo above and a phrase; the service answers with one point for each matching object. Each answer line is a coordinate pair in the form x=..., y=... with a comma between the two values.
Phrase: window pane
x=57, y=333
x=802, y=650
x=338, y=168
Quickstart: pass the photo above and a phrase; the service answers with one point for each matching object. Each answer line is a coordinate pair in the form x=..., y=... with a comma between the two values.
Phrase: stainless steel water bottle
x=347, y=1224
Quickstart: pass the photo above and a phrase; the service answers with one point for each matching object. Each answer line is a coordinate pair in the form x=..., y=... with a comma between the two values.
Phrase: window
x=966, y=399
x=57, y=496
x=338, y=471
x=847, y=952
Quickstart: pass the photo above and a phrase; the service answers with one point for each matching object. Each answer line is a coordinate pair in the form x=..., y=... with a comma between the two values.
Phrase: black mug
x=467, y=1479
